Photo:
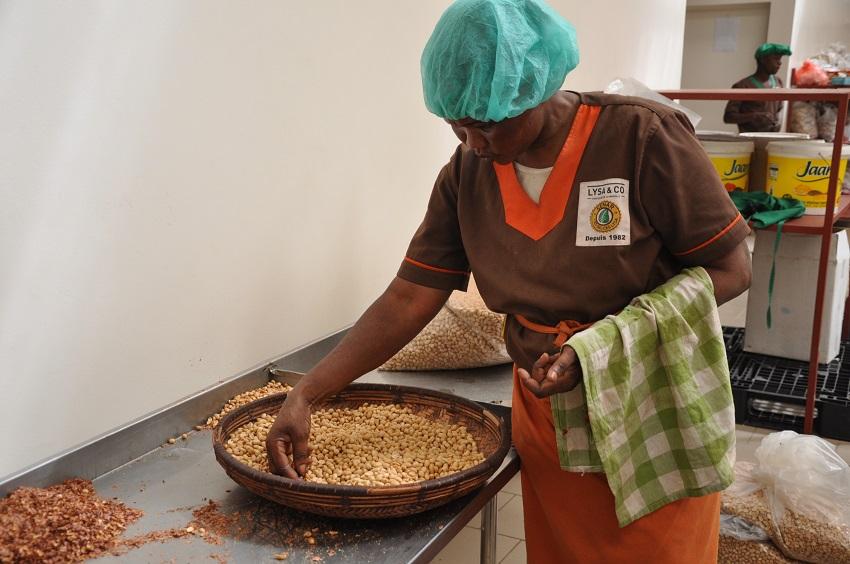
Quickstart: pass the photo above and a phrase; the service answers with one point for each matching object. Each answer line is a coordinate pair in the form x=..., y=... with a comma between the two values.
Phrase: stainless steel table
x=167, y=483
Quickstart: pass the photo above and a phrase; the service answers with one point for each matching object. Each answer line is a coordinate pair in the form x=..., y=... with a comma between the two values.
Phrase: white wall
x=817, y=23
x=806, y=25
x=781, y=22
x=188, y=189
x=700, y=64
x=629, y=39
x=705, y=67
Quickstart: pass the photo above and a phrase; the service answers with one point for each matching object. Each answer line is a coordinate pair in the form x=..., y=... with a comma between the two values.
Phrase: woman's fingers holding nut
x=301, y=456
x=559, y=369
x=541, y=366
x=278, y=447
x=530, y=383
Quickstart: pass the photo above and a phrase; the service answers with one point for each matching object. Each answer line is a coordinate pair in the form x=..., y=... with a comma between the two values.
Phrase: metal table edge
x=487, y=493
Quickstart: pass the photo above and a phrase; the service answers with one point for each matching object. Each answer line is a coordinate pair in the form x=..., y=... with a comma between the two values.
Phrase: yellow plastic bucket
x=731, y=160
x=758, y=164
x=801, y=171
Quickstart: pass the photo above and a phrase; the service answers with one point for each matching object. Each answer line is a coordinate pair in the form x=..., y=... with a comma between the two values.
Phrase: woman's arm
x=397, y=316
x=731, y=274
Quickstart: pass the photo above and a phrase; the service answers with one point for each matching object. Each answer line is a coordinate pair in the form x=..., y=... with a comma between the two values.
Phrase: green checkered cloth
x=655, y=408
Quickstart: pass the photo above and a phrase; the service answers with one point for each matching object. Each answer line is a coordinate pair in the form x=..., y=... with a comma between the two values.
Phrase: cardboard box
x=793, y=303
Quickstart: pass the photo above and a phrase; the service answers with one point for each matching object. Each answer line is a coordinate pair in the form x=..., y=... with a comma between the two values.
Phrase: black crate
x=835, y=420
x=770, y=392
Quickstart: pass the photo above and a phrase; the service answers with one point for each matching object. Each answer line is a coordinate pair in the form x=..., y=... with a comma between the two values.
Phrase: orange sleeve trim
x=723, y=232
x=434, y=268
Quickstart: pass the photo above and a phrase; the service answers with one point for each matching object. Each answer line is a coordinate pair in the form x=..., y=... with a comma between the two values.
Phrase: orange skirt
x=569, y=517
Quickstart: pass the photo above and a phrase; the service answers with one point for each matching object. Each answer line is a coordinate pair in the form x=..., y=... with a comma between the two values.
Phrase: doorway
x=718, y=51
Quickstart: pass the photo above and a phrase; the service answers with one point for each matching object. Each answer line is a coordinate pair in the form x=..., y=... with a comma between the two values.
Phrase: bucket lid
x=775, y=135
x=708, y=135
x=805, y=149
x=728, y=147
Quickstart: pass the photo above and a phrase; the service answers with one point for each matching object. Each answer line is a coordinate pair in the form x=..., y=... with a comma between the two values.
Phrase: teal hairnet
x=766, y=49
x=494, y=59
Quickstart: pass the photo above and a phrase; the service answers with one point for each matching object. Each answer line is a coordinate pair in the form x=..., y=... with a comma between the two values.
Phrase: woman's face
x=503, y=141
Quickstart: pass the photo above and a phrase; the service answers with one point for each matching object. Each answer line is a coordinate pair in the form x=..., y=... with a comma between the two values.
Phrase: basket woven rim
x=487, y=466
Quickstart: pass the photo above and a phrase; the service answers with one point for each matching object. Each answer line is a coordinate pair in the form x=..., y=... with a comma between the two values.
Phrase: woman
x=565, y=206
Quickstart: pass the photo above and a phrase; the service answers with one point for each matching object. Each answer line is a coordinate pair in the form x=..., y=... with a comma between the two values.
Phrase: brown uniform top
x=650, y=202
x=749, y=106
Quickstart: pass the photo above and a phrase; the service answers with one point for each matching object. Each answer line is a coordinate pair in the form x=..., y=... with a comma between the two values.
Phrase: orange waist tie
x=564, y=329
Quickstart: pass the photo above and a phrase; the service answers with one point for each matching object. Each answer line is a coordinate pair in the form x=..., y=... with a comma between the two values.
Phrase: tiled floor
x=510, y=542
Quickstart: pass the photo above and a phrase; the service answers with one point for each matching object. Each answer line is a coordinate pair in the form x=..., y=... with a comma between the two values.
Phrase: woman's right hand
x=404, y=306
x=290, y=435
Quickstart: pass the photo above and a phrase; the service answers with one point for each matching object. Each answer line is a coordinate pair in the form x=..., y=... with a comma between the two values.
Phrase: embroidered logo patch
x=605, y=216
x=603, y=213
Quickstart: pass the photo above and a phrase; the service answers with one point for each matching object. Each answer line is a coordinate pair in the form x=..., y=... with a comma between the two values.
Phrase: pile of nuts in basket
x=372, y=445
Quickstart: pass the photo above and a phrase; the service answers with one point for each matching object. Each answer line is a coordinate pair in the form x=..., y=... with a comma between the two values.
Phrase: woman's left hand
x=552, y=374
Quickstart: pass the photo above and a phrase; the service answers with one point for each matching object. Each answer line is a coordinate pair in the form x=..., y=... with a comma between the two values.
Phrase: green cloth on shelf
x=763, y=210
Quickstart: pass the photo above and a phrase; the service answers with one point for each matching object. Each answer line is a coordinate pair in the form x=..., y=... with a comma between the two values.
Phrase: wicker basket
x=491, y=432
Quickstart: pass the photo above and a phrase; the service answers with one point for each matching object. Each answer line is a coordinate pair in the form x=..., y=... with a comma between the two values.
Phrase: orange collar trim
x=536, y=220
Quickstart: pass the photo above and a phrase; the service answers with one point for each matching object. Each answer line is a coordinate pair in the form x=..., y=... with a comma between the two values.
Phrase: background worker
x=751, y=115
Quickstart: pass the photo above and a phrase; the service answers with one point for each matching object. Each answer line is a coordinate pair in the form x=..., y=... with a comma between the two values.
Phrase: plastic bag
x=811, y=74
x=799, y=493
x=736, y=551
x=834, y=57
x=634, y=87
x=742, y=542
x=804, y=119
x=741, y=529
x=827, y=120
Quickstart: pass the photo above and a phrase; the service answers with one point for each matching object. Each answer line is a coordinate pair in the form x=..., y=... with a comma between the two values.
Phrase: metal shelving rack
x=811, y=224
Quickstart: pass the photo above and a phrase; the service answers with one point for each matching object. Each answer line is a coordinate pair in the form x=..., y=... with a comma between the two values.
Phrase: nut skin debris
x=67, y=522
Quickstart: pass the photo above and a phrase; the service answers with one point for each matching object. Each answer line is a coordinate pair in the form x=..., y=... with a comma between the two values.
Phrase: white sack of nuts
x=798, y=491
x=464, y=334
x=372, y=445
x=804, y=119
x=736, y=551
x=744, y=543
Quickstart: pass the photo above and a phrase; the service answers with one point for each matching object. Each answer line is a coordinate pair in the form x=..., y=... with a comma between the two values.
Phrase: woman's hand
x=289, y=435
x=552, y=374
x=390, y=323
